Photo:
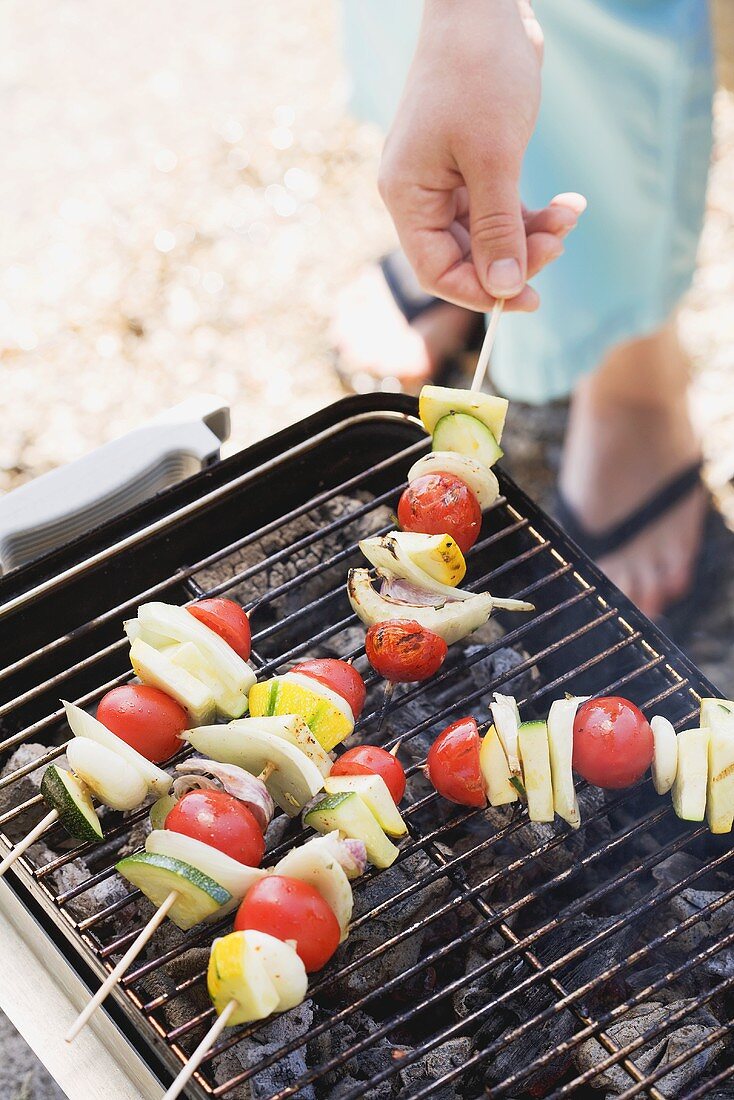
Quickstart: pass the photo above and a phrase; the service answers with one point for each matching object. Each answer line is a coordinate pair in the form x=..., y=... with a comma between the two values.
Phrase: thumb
x=498, y=240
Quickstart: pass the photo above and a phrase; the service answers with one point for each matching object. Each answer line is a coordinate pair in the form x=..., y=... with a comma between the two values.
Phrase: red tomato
x=340, y=677
x=220, y=820
x=227, y=619
x=292, y=910
x=453, y=764
x=145, y=718
x=372, y=760
x=612, y=743
x=403, y=651
x=439, y=504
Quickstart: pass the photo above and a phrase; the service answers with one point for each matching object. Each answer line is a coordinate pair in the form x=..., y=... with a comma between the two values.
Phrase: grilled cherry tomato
x=220, y=820
x=292, y=910
x=453, y=764
x=340, y=677
x=372, y=760
x=439, y=504
x=145, y=718
x=612, y=743
x=227, y=619
x=403, y=651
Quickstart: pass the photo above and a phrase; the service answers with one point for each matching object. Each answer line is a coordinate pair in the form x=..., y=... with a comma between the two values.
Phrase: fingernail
x=504, y=278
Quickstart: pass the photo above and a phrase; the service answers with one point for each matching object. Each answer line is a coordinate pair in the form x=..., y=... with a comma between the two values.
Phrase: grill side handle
x=73, y=499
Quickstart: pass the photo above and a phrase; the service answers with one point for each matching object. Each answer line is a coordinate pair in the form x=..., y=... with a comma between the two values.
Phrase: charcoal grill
x=488, y=946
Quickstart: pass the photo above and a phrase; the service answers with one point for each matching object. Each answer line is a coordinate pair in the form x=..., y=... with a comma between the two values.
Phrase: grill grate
x=483, y=916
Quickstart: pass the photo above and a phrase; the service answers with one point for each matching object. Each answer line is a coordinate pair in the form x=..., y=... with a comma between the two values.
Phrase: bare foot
x=375, y=341
x=629, y=433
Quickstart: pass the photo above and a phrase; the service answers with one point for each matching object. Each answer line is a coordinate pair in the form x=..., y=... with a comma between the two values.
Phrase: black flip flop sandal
x=599, y=546
x=679, y=619
x=413, y=302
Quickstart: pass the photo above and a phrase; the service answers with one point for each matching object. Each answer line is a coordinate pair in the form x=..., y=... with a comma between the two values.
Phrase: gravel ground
x=183, y=193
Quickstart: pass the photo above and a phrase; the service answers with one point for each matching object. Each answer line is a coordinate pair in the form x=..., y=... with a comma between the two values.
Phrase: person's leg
x=629, y=432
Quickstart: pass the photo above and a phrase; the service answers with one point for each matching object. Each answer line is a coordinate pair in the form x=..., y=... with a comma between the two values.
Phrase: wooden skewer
x=197, y=1057
x=114, y=976
x=267, y=771
x=487, y=344
x=26, y=842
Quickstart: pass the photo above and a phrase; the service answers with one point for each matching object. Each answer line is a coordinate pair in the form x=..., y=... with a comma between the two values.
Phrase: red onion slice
x=235, y=781
x=404, y=592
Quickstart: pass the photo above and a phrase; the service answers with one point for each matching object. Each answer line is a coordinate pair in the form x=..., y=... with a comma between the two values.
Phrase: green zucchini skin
x=64, y=793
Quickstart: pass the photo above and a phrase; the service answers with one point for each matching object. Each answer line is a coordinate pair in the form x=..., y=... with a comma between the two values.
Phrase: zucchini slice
x=532, y=742
x=481, y=480
x=330, y=723
x=468, y=436
x=66, y=794
x=312, y=863
x=665, y=754
x=158, y=670
x=199, y=897
x=689, y=787
x=373, y=791
x=235, y=877
x=720, y=785
x=436, y=402
x=711, y=709
x=348, y=813
x=110, y=777
x=84, y=725
x=295, y=779
x=160, y=810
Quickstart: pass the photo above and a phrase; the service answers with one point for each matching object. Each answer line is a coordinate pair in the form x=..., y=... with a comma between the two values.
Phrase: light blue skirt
x=625, y=120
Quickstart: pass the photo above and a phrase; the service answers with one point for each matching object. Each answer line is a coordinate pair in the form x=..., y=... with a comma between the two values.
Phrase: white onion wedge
x=390, y=558
x=293, y=728
x=84, y=725
x=294, y=779
x=665, y=754
x=112, y=779
x=506, y=718
x=480, y=479
x=283, y=966
x=452, y=621
x=313, y=863
x=560, y=745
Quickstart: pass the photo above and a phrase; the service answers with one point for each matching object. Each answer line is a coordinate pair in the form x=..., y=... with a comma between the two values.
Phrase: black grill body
x=499, y=949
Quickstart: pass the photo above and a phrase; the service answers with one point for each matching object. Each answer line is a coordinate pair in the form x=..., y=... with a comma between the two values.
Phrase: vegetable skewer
x=606, y=740
x=220, y=826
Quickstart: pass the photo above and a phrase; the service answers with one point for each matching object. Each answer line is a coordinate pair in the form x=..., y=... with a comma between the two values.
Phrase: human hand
x=450, y=171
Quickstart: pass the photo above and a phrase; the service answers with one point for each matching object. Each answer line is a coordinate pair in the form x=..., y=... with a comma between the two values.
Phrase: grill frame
x=160, y=520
